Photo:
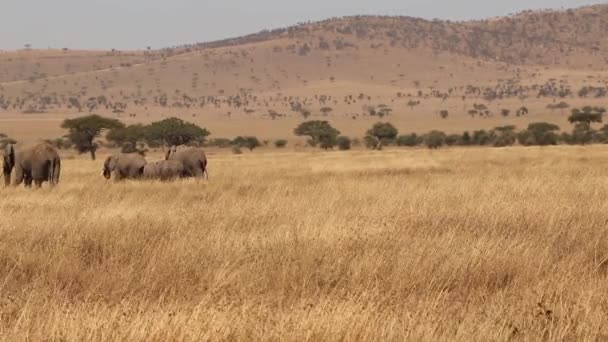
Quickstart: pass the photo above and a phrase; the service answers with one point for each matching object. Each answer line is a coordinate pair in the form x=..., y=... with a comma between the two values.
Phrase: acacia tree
x=320, y=133
x=582, y=120
x=127, y=137
x=174, y=131
x=83, y=131
x=381, y=133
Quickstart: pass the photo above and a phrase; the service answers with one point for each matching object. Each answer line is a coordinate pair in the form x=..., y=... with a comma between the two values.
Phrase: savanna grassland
x=457, y=244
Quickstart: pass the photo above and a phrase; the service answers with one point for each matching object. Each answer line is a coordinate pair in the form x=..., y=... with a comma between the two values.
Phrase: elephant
x=38, y=163
x=124, y=166
x=193, y=159
x=164, y=170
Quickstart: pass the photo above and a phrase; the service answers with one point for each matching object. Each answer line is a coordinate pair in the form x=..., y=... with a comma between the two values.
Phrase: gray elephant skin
x=35, y=163
x=124, y=166
x=165, y=170
x=193, y=159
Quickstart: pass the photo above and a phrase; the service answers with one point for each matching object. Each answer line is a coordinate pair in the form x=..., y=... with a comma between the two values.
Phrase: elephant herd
x=41, y=163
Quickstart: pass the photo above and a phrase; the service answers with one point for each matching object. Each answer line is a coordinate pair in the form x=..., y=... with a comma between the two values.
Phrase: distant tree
x=344, y=143
x=582, y=120
x=539, y=133
x=174, y=131
x=127, y=137
x=305, y=113
x=522, y=111
x=505, y=112
x=412, y=104
x=320, y=133
x=466, y=138
x=326, y=110
x=444, y=114
x=483, y=137
x=248, y=142
x=506, y=136
x=384, y=133
x=220, y=142
x=453, y=140
x=409, y=140
x=280, y=143
x=83, y=131
x=434, y=139
x=561, y=106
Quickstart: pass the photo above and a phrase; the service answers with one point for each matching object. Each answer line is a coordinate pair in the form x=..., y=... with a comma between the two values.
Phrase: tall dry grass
x=463, y=244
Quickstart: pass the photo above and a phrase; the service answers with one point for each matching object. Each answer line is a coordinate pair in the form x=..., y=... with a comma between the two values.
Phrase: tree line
x=83, y=133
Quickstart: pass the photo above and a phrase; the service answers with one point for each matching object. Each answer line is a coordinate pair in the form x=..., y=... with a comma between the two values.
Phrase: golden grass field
x=458, y=244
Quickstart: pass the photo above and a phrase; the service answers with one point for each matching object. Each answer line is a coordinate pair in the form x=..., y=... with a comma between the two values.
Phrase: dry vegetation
x=460, y=244
x=350, y=71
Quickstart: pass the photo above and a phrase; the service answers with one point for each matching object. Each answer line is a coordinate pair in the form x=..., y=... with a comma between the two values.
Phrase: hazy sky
x=131, y=24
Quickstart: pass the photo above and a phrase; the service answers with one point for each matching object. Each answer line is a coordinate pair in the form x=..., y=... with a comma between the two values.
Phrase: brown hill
x=351, y=70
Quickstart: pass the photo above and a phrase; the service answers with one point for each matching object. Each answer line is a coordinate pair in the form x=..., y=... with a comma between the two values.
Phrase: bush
x=434, y=139
x=220, y=142
x=539, y=133
x=247, y=142
x=453, y=140
x=281, y=143
x=483, y=137
x=343, y=143
x=409, y=140
x=236, y=150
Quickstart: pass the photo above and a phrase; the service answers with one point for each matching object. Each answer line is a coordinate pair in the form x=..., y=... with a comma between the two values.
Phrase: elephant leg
x=198, y=172
x=38, y=183
x=27, y=179
x=18, y=175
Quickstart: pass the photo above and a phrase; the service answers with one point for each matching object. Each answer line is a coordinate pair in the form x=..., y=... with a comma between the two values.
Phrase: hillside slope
x=353, y=70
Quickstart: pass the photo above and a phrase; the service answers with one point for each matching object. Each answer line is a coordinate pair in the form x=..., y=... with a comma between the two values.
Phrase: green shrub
x=343, y=143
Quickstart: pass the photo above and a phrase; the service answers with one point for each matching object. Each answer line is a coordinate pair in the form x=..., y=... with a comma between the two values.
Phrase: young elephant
x=164, y=170
x=193, y=159
x=124, y=166
x=38, y=163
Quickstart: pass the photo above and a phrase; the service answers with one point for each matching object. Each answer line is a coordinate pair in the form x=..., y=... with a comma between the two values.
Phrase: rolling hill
x=352, y=71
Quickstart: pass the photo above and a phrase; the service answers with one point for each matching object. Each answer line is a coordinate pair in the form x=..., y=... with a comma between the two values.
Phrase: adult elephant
x=193, y=159
x=124, y=166
x=35, y=163
x=164, y=170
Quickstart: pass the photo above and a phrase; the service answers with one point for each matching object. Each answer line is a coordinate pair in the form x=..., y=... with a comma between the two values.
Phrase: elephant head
x=8, y=163
x=108, y=166
x=170, y=151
